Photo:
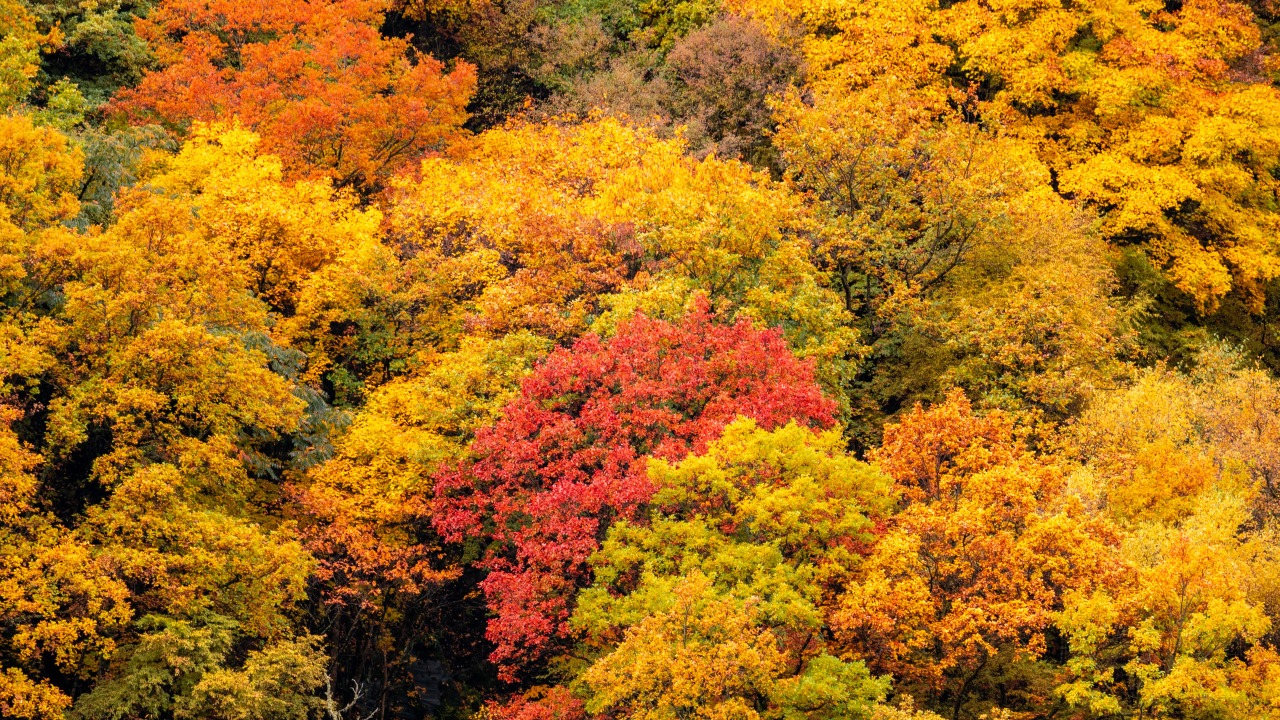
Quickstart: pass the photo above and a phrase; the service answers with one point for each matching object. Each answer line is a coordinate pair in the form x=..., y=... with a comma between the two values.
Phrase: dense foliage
x=654, y=359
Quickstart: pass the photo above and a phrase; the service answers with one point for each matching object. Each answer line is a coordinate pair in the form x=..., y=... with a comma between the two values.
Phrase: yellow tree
x=39, y=173
x=909, y=189
x=208, y=266
x=204, y=585
x=1183, y=636
x=1185, y=465
x=1030, y=323
x=20, y=45
x=716, y=605
x=58, y=604
x=281, y=232
x=1161, y=117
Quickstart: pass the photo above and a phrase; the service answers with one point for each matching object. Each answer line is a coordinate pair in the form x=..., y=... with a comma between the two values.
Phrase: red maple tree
x=569, y=456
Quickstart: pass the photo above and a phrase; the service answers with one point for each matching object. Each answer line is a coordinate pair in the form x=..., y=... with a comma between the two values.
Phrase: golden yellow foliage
x=1158, y=116
x=25, y=699
x=280, y=232
x=39, y=170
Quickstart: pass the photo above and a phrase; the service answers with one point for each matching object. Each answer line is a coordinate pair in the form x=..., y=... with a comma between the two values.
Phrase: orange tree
x=957, y=596
x=328, y=93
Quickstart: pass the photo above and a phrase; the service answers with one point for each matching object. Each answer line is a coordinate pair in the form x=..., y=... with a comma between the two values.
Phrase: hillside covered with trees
x=639, y=359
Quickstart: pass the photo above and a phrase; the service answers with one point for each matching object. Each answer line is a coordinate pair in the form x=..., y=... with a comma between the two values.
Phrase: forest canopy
x=639, y=359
